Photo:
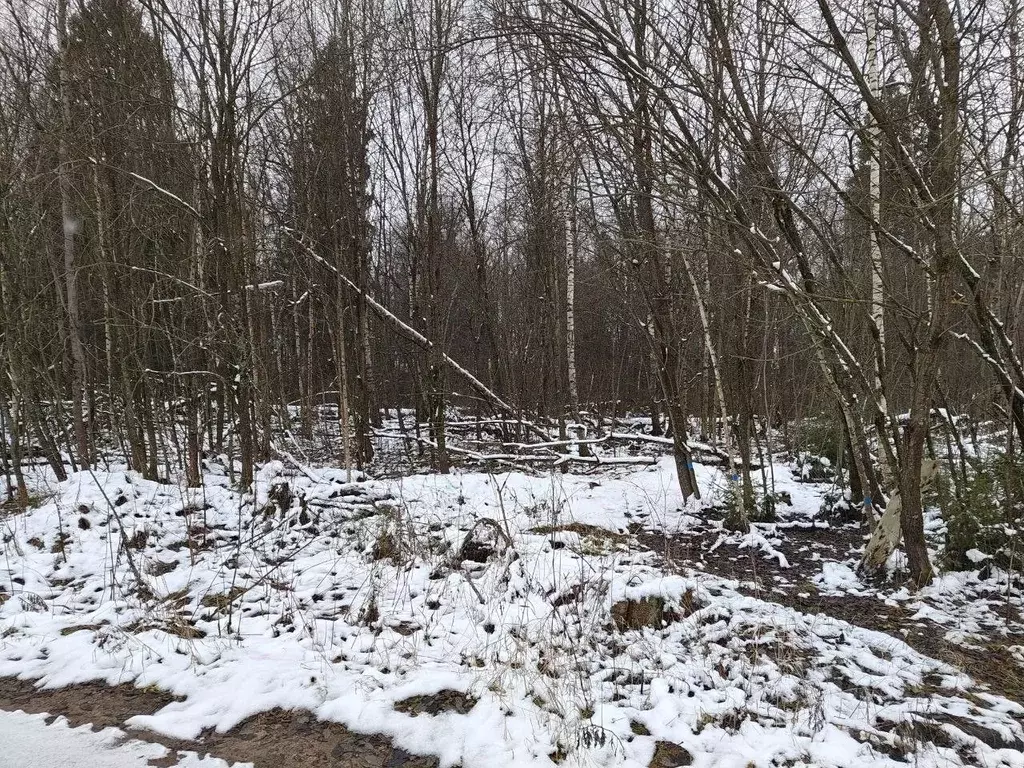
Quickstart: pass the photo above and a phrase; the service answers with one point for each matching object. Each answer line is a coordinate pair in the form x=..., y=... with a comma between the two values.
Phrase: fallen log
x=549, y=456
x=693, y=445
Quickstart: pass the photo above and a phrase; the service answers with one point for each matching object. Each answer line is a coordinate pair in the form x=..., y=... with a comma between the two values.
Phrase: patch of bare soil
x=445, y=700
x=805, y=549
x=296, y=739
x=102, y=705
x=275, y=739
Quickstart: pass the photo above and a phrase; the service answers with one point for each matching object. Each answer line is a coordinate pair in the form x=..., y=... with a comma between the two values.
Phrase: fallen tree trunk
x=694, y=446
x=546, y=455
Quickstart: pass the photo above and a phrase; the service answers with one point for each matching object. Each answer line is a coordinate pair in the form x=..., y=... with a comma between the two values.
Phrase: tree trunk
x=70, y=224
x=344, y=423
x=11, y=418
x=570, y=307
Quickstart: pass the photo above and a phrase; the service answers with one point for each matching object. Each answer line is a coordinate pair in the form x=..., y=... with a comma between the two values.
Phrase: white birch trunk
x=570, y=301
x=875, y=250
x=723, y=410
x=343, y=414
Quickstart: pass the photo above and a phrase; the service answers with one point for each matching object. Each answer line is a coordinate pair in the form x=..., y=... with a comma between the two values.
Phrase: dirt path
x=275, y=739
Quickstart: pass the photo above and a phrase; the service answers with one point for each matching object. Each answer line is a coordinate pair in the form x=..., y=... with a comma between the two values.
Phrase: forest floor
x=495, y=619
x=972, y=623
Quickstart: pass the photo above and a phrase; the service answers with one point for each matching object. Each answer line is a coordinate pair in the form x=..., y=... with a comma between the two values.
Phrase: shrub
x=763, y=508
x=813, y=468
x=987, y=514
x=837, y=504
x=768, y=506
x=821, y=436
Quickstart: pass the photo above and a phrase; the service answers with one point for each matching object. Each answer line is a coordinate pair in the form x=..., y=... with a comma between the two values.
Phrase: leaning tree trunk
x=661, y=298
x=668, y=377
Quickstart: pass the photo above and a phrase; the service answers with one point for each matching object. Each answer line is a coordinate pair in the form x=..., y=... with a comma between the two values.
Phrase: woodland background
x=761, y=223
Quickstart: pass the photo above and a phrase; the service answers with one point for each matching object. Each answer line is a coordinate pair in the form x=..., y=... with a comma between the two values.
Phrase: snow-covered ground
x=349, y=600
x=26, y=741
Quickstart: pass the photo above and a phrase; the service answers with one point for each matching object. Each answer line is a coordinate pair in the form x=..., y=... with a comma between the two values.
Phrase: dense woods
x=761, y=223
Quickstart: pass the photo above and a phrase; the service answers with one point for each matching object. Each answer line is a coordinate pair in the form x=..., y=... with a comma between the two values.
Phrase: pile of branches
x=487, y=441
